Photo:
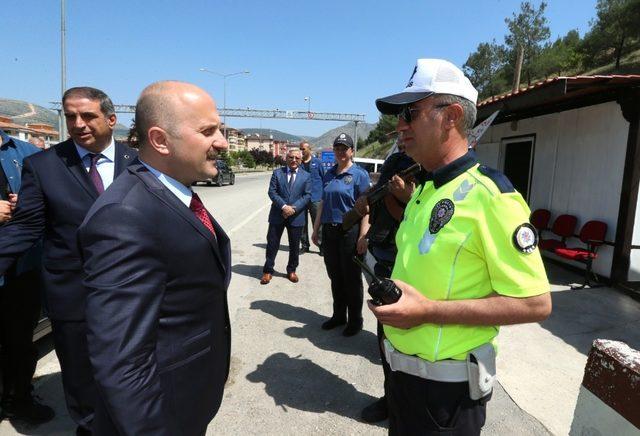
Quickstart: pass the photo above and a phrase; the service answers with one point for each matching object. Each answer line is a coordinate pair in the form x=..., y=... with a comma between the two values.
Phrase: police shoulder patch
x=501, y=181
x=525, y=238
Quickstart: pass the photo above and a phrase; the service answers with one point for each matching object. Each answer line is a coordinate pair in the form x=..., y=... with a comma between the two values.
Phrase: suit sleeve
x=28, y=221
x=273, y=191
x=125, y=280
x=304, y=199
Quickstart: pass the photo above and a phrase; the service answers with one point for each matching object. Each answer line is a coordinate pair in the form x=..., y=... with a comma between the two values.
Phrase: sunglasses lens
x=406, y=114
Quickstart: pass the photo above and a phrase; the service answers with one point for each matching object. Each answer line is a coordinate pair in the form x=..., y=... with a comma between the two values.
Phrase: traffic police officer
x=467, y=262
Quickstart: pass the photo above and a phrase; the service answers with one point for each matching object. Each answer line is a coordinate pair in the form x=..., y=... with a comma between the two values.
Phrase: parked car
x=225, y=175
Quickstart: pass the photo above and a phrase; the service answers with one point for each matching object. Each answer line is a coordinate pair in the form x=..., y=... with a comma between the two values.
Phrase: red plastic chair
x=592, y=235
x=540, y=219
x=563, y=226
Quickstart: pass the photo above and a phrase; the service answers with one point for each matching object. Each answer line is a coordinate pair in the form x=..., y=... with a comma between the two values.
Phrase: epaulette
x=502, y=182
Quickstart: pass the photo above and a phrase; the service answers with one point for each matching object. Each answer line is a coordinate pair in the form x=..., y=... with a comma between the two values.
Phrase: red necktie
x=93, y=172
x=201, y=212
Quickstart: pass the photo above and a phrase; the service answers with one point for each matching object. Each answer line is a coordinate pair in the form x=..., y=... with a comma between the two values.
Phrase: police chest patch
x=525, y=238
x=440, y=215
x=348, y=179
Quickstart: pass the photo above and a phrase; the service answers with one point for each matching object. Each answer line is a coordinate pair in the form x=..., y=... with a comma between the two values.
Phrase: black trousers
x=382, y=270
x=80, y=391
x=426, y=407
x=19, y=314
x=312, y=210
x=274, y=234
x=346, y=276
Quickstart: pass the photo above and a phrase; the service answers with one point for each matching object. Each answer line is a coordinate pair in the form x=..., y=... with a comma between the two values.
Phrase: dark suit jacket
x=157, y=317
x=55, y=196
x=298, y=196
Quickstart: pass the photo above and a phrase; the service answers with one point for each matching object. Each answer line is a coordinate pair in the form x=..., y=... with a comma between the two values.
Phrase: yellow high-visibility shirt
x=465, y=234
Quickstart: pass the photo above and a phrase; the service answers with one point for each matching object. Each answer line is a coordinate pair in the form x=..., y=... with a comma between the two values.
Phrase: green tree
x=528, y=29
x=614, y=31
x=386, y=124
x=563, y=56
x=262, y=157
x=485, y=69
x=244, y=157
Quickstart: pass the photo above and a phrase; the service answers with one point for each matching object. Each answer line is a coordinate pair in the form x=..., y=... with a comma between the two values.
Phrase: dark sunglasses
x=407, y=112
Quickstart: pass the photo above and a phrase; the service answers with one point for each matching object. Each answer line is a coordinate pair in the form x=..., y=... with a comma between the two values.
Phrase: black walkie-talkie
x=382, y=291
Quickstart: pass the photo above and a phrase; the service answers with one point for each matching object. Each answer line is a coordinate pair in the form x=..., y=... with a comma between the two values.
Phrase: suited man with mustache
x=157, y=269
x=59, y=185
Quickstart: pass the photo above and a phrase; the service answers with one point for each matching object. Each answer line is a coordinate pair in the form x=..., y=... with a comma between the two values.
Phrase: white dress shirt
x=183, y=193
x=106, y=165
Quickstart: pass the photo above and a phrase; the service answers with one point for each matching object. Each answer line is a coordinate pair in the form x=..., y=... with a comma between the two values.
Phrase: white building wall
x=577, y=168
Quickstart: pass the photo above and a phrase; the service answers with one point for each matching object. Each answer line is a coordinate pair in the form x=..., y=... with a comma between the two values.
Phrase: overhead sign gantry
x=263, y=113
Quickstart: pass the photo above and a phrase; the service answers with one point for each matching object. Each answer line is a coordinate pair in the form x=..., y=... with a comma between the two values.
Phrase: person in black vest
x=382, y=244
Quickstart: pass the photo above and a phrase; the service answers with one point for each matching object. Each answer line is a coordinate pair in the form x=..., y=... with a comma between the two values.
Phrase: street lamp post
x=308, y=100
x=224, y=92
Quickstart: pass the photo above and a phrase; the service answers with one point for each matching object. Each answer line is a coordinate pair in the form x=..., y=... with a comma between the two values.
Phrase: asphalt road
x=287, y=375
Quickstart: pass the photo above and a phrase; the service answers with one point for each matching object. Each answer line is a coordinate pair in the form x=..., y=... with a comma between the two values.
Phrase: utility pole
x=63, y=68
x=355, y=138
x=518, y=70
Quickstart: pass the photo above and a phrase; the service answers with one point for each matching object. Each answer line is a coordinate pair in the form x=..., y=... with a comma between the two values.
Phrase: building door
x=518, y=163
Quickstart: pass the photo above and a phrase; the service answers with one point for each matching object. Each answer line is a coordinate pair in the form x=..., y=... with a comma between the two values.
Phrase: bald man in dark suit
x=157, y=269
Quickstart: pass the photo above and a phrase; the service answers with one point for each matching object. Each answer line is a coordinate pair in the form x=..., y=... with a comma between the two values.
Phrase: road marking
x=249, y=218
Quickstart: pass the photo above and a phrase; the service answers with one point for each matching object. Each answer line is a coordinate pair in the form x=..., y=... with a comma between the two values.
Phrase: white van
x=371, y=165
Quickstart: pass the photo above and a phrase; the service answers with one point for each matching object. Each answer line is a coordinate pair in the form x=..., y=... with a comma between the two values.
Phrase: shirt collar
x=183, y=193
x=109, y=152
x=447, y=173
x=347, y=171
x=289, y=170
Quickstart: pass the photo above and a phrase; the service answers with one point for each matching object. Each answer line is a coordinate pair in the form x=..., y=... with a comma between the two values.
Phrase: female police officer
x=343, y=184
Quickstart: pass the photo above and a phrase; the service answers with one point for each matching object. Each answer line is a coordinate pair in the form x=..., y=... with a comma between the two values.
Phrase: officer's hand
x=400, y=189
x=362, y=206
x=13, y=199
x=314, y=238
x=5, y=211
x=412, y=309
x=361, y=246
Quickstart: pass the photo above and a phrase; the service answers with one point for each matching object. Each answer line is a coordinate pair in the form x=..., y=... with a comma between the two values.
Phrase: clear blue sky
x=344, y=54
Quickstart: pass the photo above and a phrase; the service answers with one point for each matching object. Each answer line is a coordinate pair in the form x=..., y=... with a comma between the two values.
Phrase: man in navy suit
x=19, y=301
x=290, y=192
x=157, y=271
x=59, y=185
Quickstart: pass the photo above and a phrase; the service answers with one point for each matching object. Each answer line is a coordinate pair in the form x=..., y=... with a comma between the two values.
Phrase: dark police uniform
x=339, y=196
x=19, y=297
x=465, y=235
x=316, y=170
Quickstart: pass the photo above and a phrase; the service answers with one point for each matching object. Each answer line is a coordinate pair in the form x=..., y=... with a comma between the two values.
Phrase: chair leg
x=588, y=272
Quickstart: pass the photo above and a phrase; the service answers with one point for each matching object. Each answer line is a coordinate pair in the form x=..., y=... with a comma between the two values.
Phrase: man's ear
x=158, y=140
x=453, y=115
x=112, y=120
